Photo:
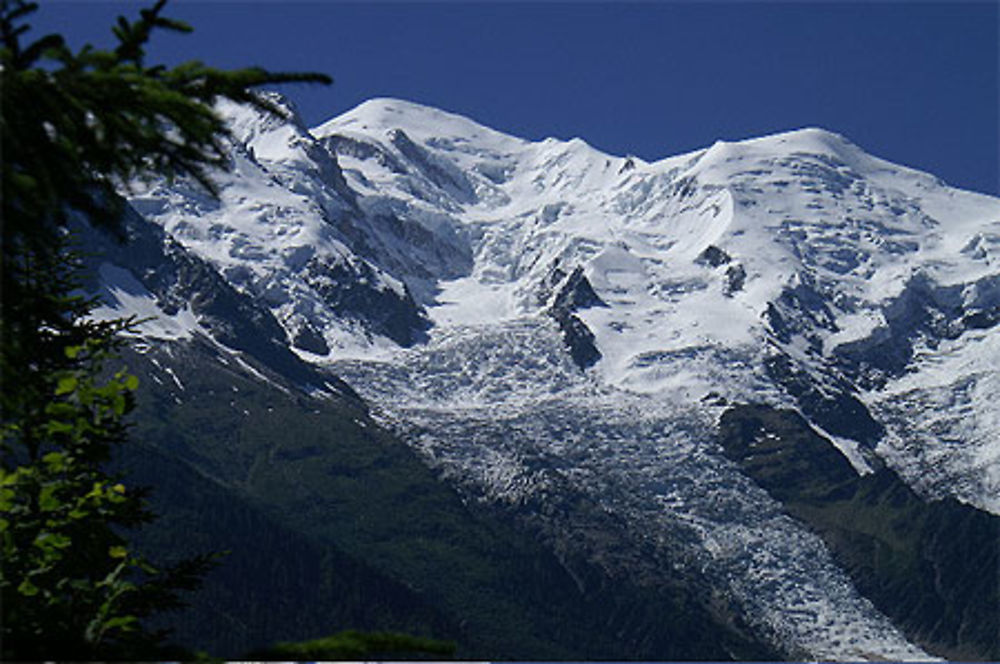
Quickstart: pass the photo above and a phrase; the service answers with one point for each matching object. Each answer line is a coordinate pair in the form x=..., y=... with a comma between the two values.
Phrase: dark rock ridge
x=829, y=401
x=439, y=172
x=930, y=566
x=308, y=339
x=578, y=338
x=363, y=150
x=327, y=170
x=574, y=293
x=801, y=310
x=735, y=275
x=548, y=286
x=713, y=256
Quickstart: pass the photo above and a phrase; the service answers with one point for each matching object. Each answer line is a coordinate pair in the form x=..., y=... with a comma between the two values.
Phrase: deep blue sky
x=913, y=82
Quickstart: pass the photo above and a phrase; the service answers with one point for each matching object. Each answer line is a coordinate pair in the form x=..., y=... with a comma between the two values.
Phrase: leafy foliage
x=71, y=585
x=74, y=128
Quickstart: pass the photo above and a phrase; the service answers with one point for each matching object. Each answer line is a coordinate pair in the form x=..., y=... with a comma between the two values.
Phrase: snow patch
x=123, y=296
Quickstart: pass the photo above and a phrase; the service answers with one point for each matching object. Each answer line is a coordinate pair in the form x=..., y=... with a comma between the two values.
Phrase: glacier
x=533, y=316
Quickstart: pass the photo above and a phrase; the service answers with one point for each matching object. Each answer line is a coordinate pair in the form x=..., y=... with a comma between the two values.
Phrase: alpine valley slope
x=550, y=327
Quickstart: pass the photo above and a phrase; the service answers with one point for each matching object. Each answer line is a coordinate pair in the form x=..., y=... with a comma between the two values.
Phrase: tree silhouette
x=75, y=128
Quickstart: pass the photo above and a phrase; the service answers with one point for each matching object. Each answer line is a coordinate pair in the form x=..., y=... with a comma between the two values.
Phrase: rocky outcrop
x=802, y=309
x=828, y=401
x=713, y=256
x=360, y=149
x=441, y=173
x=735, y=275
x=565, y=296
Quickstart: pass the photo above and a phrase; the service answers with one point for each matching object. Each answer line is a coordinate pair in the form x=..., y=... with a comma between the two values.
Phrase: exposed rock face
x=801, y=310
x=578, y=339
x=576, y=293
x=829, y=402
x=736, y=276
x=363, y=150
x=441, y=173
x=572, y=294
x=924, y=312
x=310, y=340
x=713, y=256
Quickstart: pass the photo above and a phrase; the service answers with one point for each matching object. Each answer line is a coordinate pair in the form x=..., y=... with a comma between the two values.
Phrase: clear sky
x=913, y=82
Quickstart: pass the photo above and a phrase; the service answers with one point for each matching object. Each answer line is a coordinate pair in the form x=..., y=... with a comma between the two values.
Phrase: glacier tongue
x=522, y=425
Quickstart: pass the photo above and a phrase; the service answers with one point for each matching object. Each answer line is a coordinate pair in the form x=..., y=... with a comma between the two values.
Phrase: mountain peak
x=810, y=134
x=379, y=109
x=799, y=142
x=811, y=140
x=380, y=115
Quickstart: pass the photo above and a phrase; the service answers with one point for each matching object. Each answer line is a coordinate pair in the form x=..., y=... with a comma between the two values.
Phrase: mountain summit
x=541, y=320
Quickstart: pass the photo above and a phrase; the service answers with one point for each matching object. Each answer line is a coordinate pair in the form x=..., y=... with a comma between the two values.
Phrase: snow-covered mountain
x=540, y=318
